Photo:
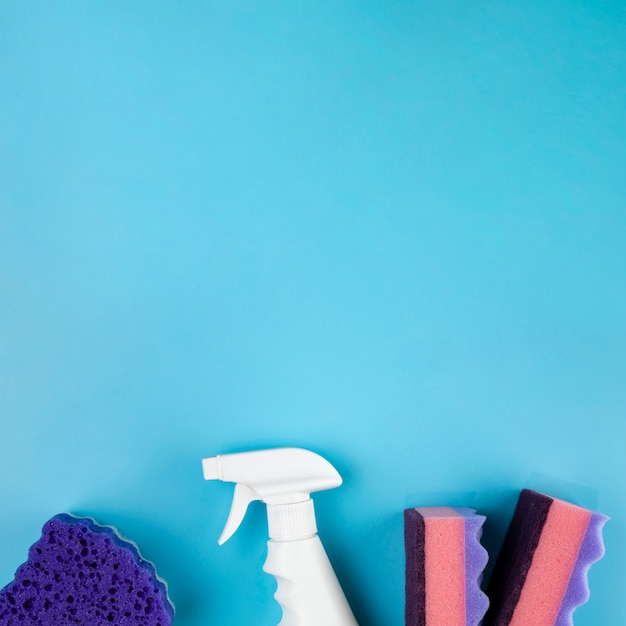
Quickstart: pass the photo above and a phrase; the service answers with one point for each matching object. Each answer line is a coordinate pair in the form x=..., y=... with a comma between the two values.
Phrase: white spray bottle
x=283, y=478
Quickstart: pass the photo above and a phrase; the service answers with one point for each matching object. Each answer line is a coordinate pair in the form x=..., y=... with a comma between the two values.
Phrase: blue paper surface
x=392, y=233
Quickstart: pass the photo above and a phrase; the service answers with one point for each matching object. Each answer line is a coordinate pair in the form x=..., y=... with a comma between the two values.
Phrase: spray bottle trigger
x=241, y=499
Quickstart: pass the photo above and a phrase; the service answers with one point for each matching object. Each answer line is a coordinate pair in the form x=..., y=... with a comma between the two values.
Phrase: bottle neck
x=290, y=522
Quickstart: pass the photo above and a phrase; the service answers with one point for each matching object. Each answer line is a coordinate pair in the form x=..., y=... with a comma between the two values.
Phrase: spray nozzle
x=283, y=478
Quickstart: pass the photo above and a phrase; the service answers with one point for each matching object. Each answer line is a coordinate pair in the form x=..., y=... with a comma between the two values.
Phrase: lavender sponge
x=540, y=576
x=444, y=566
x=81, y=573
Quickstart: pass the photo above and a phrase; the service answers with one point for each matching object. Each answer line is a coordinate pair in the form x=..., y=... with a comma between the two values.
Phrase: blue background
x=390, y=232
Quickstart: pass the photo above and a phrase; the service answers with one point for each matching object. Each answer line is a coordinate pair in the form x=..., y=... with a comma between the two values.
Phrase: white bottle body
x=307, y=586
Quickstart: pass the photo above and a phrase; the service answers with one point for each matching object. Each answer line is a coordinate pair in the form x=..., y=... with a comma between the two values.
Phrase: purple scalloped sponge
x=540, y=576
x=444, y=567
x=81, y=573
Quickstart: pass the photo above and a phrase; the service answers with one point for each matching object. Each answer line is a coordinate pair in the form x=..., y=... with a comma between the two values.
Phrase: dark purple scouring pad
x=515, y=557
x=415, y=585
x=81, y=573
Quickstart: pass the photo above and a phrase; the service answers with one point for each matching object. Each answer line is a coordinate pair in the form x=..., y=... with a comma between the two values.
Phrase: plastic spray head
x=283, y=478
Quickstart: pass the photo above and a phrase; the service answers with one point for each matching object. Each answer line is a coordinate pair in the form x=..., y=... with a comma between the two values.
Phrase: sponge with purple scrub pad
x=540, y=575
x=444, y=565
x=79, y=572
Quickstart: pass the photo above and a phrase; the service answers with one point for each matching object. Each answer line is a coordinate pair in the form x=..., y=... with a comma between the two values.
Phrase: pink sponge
x=81, y=573
x=444, y=565
x=540, y=576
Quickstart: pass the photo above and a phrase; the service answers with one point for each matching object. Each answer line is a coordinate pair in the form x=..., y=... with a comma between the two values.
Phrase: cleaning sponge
x=81, y=573
x=540, y=576
x=444, y=565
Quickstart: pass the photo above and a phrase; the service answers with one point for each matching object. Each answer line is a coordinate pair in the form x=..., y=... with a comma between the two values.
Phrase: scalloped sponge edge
x=79, y=572
x=540, y=576
x=444, y=567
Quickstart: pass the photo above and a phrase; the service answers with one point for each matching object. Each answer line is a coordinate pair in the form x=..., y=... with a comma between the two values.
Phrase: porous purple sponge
x=81, y=573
